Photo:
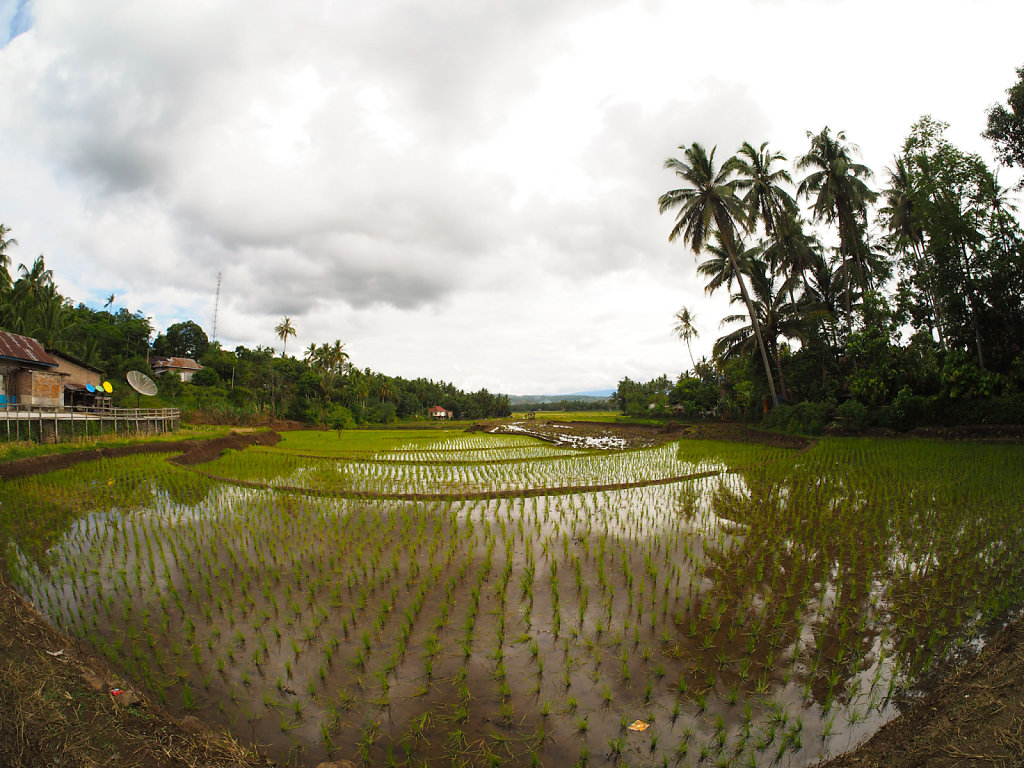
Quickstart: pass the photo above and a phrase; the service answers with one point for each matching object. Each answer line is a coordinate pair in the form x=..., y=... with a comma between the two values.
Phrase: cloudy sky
x=456, y=189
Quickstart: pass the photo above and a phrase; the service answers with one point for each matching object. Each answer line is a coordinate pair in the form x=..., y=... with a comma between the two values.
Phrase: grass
x=11, y=451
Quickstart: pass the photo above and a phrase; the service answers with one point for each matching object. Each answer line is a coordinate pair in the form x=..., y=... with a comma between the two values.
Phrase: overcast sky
x=456, y=189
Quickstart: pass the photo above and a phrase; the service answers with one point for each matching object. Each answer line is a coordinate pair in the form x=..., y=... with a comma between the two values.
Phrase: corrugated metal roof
x=181, y=363
x=24, y=349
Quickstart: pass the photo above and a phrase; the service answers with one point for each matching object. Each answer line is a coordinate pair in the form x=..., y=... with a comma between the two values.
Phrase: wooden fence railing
x=51, y=425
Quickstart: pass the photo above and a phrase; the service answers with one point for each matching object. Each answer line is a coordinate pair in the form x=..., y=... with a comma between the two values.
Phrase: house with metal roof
x=29, y=374
x=83, y=383
x=185, y=367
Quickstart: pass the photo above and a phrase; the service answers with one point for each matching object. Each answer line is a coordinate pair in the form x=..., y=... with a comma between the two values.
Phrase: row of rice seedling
x=767, y=615
x=574, y=469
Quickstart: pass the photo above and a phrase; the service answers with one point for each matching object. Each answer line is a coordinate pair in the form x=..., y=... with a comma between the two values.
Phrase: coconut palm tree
x=718, y=266
x=840, y=196
x=765, y=199
x=5, y=260
x=330, y=360
x=51, y=322
x=686, y=330
x=284, y=329
x=776, y=313
x=384, y=389
x=906, y=236
x=791, y=251
x=33, y=282
x=709, y=203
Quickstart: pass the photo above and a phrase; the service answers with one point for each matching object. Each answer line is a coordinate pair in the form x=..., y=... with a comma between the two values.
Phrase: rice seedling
x=846, y=571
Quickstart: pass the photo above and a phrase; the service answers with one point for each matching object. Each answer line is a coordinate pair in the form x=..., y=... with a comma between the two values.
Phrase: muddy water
x=496, y=632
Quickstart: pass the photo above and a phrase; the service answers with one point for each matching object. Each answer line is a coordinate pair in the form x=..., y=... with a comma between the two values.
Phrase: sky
x=459, y=190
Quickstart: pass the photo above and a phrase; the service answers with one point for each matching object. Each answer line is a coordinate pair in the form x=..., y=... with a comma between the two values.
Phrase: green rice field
x=443, y=598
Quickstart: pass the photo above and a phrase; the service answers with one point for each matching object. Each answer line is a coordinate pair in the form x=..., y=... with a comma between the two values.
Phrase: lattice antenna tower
x=216, y=307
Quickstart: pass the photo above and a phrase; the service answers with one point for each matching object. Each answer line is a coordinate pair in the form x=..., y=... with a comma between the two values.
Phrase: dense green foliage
x=1006, y=126
x=894, y=307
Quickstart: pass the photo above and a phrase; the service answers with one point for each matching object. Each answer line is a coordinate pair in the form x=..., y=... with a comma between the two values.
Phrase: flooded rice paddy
x=771, y=612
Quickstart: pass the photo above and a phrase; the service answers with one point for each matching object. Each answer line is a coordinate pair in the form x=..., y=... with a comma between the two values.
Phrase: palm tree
x=841, y=197
x=997, y=198
x=776, y=313
x=823, y=289
x=51, y=323
x=110, y=300
x=329, y=359
x=5, y=260
x=792, y=251
x=710, y=202
x=906, y=235
x=33, y=283
x=686, y=330
x=385, y=390
x=718, y=267
x=284, y=329
x=765, y=198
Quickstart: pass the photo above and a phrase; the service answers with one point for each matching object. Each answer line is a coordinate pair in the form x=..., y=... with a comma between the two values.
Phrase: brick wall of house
x=39, y=388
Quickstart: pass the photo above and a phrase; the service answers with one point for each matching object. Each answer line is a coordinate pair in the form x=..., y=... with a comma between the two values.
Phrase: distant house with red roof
x=437, y=412
x=185, y=367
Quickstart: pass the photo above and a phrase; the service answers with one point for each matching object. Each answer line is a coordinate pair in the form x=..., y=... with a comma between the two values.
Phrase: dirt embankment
x=57, y=707
x=974, y=719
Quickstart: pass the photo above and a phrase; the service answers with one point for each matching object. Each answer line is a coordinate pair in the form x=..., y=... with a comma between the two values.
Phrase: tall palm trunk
x=972, y=303
x=929, y=280
x=725, y=228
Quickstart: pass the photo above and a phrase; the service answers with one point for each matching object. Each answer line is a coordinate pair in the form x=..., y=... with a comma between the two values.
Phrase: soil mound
x=201, y=451
x=57, y=707
x=976, y=718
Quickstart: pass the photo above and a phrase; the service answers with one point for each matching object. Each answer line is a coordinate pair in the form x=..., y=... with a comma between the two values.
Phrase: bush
x=853, y=416
x=340, y=417
x=241, y=397
x=205, y=377
x=804, y=418
x=941, y=411
x=907, y=409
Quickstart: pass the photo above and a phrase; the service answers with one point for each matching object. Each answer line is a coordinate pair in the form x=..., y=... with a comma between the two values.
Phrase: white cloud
x=393, y=173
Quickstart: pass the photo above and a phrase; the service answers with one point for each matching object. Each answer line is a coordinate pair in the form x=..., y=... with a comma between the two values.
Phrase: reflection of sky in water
x=572, y=470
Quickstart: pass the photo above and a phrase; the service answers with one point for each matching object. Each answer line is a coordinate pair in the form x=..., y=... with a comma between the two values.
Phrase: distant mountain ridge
x=594, y=394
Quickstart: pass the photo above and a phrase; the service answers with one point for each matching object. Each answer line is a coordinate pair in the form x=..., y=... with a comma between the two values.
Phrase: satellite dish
x=107, y=388
x=140, y=382
x=90, y=388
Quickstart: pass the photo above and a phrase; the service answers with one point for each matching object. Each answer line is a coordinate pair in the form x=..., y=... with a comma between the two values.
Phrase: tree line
x=848, y=291
x=322, y=387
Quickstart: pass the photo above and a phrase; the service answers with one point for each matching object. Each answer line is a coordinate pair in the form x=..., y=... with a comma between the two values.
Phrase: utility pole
x=216, y=307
